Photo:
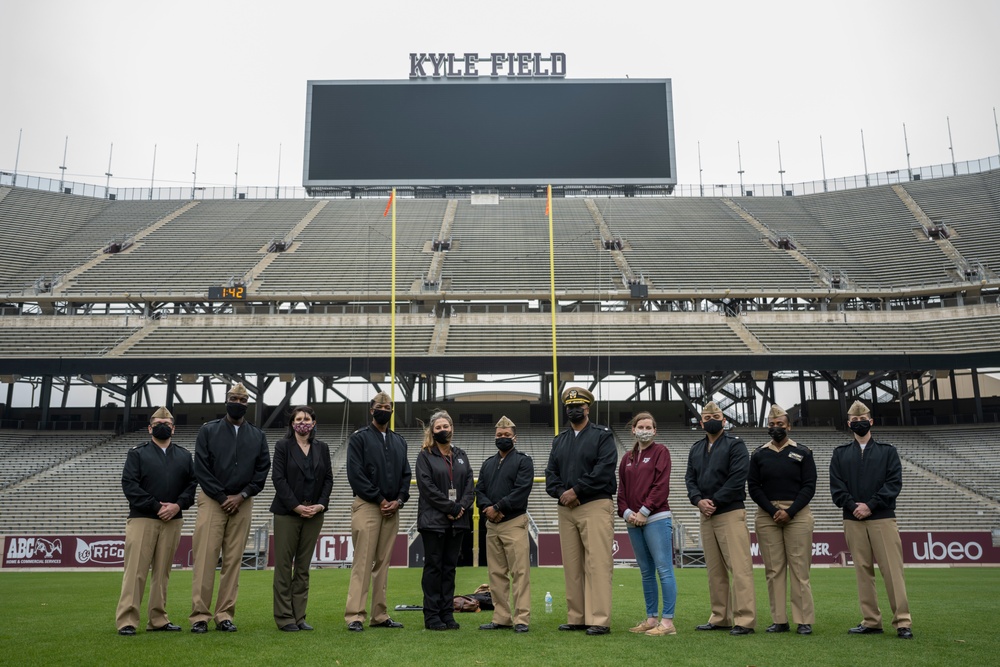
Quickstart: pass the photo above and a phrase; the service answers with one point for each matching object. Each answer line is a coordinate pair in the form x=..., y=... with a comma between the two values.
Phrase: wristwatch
x=244, y=494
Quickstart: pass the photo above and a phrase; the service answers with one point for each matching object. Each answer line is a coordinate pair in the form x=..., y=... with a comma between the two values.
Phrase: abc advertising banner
x=936, y=547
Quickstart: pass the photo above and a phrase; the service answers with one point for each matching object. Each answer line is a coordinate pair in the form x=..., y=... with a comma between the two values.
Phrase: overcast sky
x=218, y=74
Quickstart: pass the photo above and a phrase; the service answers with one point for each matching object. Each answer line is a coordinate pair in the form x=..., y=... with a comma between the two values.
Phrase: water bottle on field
x=548, y=602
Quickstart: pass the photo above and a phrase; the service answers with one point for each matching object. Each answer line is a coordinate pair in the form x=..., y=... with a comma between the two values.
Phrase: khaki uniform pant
x=373, y=537
x=216, y=532
x=148, y=543
x=787, y=552
x=508, y=554
x=294, y=545
x=586, y=538
x=726, y=542
x=878, y=541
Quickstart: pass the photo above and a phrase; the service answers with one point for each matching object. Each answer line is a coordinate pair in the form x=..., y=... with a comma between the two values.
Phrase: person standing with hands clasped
x=716, y=480
x=502, y=492
x=302, y=478
x=444, y=516
x=866, y=477
x=782, y=481
x=643, y=489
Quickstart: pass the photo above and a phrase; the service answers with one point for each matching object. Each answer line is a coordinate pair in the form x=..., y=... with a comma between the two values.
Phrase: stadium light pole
x=194, y=174
x=277, y=187
x=62, y=177
x=236, y=182
x=864, y=156
x=152, y=175
x=17, y=156
x=701, y=186
x=951, y=147
x=781, y=170
x=108, y=174
x=996, y=128
x=906, y=143
x=822, y=161
x=739, y=158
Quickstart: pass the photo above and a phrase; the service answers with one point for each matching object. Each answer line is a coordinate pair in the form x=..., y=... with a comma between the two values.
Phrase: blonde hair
x=429, y=429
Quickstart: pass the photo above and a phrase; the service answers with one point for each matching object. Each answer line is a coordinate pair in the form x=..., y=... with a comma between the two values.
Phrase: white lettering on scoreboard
x=513, y=64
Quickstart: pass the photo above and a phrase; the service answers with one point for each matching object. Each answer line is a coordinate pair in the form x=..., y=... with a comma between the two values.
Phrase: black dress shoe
x=127, y=631
x=598, y=630
x=571, y=627
x=740, y=630
x=713, y=626
x=356, y=626
x=904, y=633
x=804, y=629
x=452, y=624
x=494, y=626
x=169, y=627
x=435, y=625
x=225, y=626
x=863, y=629
x=291, y=627
x=199, y=627
x=387, y=623
x=520, y=627
x=305, y=626
x=777, y=627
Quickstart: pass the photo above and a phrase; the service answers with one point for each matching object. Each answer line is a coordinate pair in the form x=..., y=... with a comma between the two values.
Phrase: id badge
x=452, y=495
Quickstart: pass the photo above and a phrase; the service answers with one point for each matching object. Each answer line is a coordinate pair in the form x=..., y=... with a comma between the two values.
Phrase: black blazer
x=288, y=476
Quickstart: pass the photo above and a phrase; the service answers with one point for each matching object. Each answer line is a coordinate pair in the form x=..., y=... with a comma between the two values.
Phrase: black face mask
x=442, y=437
x=505, y=444
x=861, y=428
x=712, y=426
x=576, y=415
x=236, y=410
x=162, y=431
x=777, y=433
x=381, y=417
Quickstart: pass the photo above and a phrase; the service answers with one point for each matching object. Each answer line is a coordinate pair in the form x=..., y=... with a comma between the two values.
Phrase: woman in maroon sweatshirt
x=644, y=485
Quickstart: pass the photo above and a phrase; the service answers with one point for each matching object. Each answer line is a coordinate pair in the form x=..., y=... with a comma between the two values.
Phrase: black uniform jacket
x=227, y=462
x=585, y=462
x=377, y=468
x=719, y=475
x=434, y=477
x=874, y=478
x=299, y=479
x=789, y=474
x=506, y=482
x=151, y=477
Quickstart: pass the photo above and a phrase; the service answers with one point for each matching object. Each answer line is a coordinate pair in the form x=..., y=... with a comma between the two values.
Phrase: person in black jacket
x=505, y=481
x=580, y=474
x=782, y=481
x=716, y=479
x=866, y=476
x=158, y=481
x=302, y=478
x=379, y=475
x=231, y=460
x=444, y=514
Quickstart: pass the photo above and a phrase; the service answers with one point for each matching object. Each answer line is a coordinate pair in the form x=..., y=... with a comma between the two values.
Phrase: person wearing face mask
x=231, y=462
x=580, y=474
x=782, y=481
x=379, y=475
x=505, y=481
x=866, y=477
x=158, y=482
x=716, y=479
x=444, y=516
x=302, y=478
x=644, y=486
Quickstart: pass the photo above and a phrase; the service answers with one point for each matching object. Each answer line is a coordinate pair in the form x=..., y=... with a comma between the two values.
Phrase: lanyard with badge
x=452, y=494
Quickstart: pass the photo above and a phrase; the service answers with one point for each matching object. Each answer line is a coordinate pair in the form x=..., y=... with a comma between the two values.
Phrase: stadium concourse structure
x=890, y=294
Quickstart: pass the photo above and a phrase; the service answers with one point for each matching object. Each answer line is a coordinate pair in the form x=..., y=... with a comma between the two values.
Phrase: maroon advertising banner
x=108, y=551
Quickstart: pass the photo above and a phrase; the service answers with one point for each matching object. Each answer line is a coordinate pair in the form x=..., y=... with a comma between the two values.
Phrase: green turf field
x=68, y=618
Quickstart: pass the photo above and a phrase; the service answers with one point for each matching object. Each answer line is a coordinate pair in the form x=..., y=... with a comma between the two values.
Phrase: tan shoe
x=645, y=626
x=661, y=630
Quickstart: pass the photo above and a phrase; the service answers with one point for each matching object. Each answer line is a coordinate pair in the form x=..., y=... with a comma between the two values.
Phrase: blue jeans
x=653, y=545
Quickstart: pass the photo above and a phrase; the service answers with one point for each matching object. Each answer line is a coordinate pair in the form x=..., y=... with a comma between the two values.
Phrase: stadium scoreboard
x=489, y=132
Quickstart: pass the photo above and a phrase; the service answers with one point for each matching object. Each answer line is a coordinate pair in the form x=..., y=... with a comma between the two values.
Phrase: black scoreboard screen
x=489, y=132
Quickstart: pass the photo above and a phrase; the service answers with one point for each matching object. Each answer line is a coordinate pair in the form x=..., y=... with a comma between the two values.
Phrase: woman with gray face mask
x=643, y=490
